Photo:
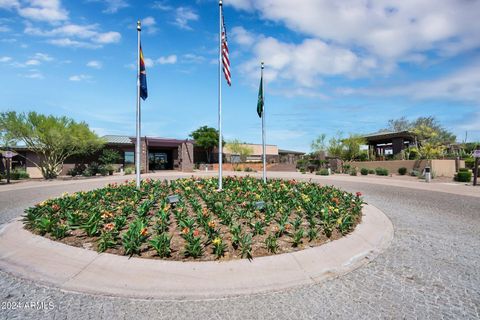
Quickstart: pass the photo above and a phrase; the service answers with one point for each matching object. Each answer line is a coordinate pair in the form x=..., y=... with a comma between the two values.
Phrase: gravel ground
x=431, y=271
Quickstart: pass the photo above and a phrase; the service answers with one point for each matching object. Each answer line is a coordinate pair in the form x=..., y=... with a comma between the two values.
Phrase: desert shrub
x=248, y=169
x=381, y=172
x=18, y=174
x=346, y=168
x=464, y=176
x=103, y=170
x=415, y=173
x=129, y=170
x=322, y=172
x=402, y=171
x=353, y=171
x=364, y=171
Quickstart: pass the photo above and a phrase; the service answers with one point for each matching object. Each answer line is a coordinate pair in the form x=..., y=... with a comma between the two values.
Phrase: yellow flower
x=211, y=224
x=339, y=221
x=144, y=232
x=336, y=210
x=217, y=241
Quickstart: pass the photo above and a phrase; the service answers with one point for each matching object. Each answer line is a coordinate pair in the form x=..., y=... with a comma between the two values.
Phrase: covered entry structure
x=389, y=144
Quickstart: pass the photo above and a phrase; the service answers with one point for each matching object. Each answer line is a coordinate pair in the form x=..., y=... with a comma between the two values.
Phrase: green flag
x=260, y=98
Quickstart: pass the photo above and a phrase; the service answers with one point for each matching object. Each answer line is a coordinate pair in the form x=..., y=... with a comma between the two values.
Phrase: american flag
x=225, y=58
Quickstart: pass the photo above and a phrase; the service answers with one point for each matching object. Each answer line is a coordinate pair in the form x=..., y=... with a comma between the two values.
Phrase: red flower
x=359, y=194
x=196, y=233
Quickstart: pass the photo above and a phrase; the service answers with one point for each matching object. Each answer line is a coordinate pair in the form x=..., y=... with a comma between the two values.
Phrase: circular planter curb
x=68, y=268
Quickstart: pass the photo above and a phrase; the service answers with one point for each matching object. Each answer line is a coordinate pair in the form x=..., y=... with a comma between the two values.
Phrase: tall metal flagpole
x=137, y=145
x=263, y=130
x=220, y=142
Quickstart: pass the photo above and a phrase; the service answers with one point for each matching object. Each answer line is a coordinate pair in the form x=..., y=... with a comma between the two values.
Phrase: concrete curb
x=54, y=264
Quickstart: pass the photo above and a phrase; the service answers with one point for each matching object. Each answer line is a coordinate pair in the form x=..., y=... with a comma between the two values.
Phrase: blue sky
x=331, y=66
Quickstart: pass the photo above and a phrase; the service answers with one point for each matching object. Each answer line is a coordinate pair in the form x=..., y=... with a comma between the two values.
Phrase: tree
x=319, y=144
x=206, y=138
x=351, y=146
x=395, y=125
x=335, y=146
x=54, y=139
x=237, y=147
x=109, y=157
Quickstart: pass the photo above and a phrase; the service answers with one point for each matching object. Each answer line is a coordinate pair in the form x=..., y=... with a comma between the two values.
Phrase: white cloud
x=65, y=35
x=462, y=85
x=193, y=58
x=42, y=57
x=9, y=4
x=67, y=42
x=107, y=37
x=94, y=64
x=304, y=63
x=34, y=74
x=32, y=62
x=183, y=16
x=148, y=62
x=4, y=29
x=114, y=5
x=79, y=77
x=171, y=59
x=149, y=24
x=43, y=10
x=5, y=59
x=242, y=36
x=388, y=29
x=161, y=5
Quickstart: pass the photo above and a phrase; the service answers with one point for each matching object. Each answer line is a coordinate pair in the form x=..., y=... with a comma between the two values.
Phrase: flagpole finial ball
x=220, y=2
x=139, y=25
x=262, y=65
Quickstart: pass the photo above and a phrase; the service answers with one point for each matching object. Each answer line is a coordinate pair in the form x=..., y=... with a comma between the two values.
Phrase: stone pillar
x=144, y=156
x=186, y=156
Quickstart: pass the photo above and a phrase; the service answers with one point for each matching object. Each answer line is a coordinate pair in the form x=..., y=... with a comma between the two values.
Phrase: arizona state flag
x=143, y=77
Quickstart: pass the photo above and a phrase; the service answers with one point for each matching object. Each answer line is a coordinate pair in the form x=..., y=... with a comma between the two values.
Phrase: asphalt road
x=431, y=271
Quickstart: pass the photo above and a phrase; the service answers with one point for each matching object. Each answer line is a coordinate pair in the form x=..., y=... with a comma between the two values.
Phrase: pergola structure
x=389, y=143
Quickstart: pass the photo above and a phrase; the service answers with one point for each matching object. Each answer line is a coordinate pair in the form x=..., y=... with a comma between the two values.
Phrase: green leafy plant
x=364, y=171
x=297, y=237
x=381, y=172
x=135, y=236
x=219, y=247
x=246, y=246
x=161, y=244
x=271, y=243
x=402, y=171
x=106, y=240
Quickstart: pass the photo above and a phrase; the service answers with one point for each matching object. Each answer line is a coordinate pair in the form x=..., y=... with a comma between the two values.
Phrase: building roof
x=290, y=152
x=117, y=139
x=386, y=135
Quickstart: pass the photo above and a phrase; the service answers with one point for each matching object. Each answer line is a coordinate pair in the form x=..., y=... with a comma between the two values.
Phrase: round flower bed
x=189, y=219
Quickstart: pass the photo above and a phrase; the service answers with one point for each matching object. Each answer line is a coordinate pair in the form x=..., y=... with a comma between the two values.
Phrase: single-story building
x=383, y=144
x=156, y=154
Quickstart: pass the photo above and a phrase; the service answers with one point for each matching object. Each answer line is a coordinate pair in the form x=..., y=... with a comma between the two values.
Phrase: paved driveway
x=431, y=270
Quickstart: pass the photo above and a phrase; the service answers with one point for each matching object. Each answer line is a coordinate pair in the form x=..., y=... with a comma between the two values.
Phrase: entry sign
x=9, y=154
x=476, y=153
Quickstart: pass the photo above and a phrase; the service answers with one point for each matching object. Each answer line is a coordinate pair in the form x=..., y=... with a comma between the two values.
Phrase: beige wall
x=257, y=149
x=440, y=168
x=34, y=172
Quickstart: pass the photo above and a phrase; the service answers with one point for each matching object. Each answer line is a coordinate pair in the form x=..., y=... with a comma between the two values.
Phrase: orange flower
x=185, y=230
x=106, y=215
x=204, y=211
x=144, y=232
x=288, y=226
x=335, y=200
x=211, y=224
x=196, y=233
x=108, y=227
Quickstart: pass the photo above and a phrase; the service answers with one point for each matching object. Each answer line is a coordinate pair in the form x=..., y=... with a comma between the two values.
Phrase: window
x=129, y=158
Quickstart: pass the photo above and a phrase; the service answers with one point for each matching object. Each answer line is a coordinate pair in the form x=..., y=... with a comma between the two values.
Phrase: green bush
x=346, y=168
x=248, y=169
x=470, y=163
x=371, y=171
x=364, y=171
x=464, y=170
x=322, y=172
x=19, y=174
x=402, y=171
x=415, y=173
x=381, y=172
x=103, y=170
x=129, y=170
x=464, y=176
x=353, y=171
